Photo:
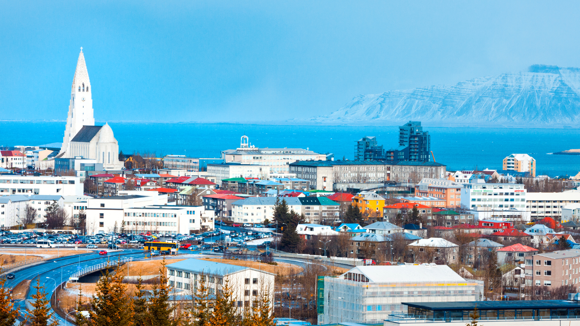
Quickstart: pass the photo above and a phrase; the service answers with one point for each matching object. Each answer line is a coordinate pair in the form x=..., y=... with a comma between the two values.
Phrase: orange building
x=370, y=203
x=446, y=190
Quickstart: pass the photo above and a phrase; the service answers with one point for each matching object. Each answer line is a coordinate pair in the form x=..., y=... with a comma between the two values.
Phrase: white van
x=44, y=244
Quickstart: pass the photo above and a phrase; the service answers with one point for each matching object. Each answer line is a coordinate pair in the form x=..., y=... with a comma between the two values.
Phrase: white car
x=92, y=246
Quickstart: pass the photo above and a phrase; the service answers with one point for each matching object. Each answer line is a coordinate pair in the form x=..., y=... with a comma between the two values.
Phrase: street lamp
x=54, y=285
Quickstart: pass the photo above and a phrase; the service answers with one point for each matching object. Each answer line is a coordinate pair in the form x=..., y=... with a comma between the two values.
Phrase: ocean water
x=458, y=148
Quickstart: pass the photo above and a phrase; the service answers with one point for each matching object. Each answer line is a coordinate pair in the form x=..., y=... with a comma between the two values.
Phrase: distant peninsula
x=569, y=152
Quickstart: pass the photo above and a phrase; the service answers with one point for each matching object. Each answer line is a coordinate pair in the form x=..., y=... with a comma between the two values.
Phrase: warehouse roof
x=409, y=273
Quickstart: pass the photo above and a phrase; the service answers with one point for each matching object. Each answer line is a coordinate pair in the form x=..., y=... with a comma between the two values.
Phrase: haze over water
x=458, y=148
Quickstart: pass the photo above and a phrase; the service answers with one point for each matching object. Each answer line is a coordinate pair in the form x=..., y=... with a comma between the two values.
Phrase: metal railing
x=101, y=266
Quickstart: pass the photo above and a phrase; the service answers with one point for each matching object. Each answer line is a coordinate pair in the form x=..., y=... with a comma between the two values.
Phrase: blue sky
x=261, y=61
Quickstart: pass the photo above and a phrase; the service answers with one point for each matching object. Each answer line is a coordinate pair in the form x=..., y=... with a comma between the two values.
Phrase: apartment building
x=440, y=188
x=370, y=203
x=550, y=204
x=571, y=212
x=414, y=144
x=276, y=159
x=258, y=209
x=12, y=160
x=144, y=212
x=13, y=208
x=293, y=183
x=220, y=203
x=495, y=201
x=554, y=269
x=339, y=175
x=40, y=185
x=520, y=163
x=246, y=283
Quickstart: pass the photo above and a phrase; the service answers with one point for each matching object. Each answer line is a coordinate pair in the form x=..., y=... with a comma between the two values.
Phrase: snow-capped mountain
x=542, y=96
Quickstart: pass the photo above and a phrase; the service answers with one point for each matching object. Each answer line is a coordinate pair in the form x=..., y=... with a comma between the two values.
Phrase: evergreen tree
x=261, y=312
x=224, y=311
x=290, y=238
x=8, y=314
x=281, y=213
x=110, y=305
x=201, y=304
x=160, y=312
x=140, y=305
x=40, y=314
x=563, y=244
x=121, y=156
x=354, y=215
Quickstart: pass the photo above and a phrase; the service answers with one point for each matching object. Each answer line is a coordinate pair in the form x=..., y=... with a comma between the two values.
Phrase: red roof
x=201, y=182
x=178, y=179
x=341, y=197
x=104, y=175
x=167, y=176
x=11, y=153
x=518, y=247
x=164, y=190
x=510, y=233
x=406, y=205
x=140, y=181
x=116, y=180
x=550, y=222
x=293, y=194
x=223, y=196
x=442, y=228
x=225, y=192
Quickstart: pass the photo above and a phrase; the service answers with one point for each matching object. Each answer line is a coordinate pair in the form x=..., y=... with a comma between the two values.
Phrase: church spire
x=81, y=82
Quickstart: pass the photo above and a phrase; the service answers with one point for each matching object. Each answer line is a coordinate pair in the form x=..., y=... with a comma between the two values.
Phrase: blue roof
x=207, y=267
x=150, y=175
x=382, y=226
x=351, y=226
x=266, y=201
x=268, y=183
x=290, y=179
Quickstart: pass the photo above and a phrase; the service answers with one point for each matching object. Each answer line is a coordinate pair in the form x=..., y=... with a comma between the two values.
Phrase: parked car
x=185, y=246
x=103, y=252
x=154, y=253
x=10, y=276
x=165, y=252
x=92, y=246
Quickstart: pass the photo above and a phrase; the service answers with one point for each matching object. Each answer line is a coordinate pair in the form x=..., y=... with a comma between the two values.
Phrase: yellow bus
x=172, y=247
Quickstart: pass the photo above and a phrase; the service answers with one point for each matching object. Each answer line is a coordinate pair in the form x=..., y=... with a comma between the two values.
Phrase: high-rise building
x=367, y=149
x=414, y=144
x=520, y=163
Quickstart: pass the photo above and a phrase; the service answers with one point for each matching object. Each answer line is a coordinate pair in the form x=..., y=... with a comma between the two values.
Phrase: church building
x=81, y=137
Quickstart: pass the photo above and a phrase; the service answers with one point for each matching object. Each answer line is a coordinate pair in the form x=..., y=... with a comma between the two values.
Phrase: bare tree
x=56, y=217
x=29, y=215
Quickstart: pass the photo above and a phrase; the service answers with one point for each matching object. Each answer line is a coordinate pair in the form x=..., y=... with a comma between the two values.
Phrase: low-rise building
x=258, y=209
x=390, y=212
x=448, y=218
x=319, y=209
x=40, y=185
x=553, y=269
x=237, y=170
x=496, y=201
x=550, y=204
x=434, y=250
x=370, y=294
x=370, y=204
x=247, y=284
x=515, y=254
x=520, y=163
x=307, y=231
x=294, y=183
x=191, y=164
x=444, y=189
x=570, y=212
x=433, y=202
x=12, y=160
x=221, y=204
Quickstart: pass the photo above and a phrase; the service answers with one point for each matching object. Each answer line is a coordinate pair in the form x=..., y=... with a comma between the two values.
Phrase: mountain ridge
x=543, y=96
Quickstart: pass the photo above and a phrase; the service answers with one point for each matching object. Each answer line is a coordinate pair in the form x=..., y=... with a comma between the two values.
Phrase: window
x=102, y=205
x=186, y=274
x=246, y=292
x=255, y=281
x=179, y=274
x=548, y=283
x=179, y=285
x=255, y=293
x=538, y=273
x=101, y=215
x=172, y=272
x=548, y=273
x=548, y=262
x=538, y=282
x=186, y=286
x=538, y=262
x=247, y=281
x=101, y=224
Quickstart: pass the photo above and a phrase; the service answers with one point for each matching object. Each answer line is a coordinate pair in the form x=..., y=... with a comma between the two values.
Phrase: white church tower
x=80, y=111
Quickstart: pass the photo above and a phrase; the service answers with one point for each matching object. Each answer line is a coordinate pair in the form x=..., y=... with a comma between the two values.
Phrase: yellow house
x=370, y=203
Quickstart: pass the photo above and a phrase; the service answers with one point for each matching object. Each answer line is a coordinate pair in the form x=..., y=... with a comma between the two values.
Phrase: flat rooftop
x=495, y=305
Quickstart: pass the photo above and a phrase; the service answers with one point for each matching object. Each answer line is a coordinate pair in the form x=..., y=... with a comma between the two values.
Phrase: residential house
x=516, y=253
x=113, y=185
x=477, y=248
x=434, y=250
x=448, y=218
x=370, y=204
x=12, y=160
x=390, y=212
x=307, y=231
x=239, y=185
x=221, y=204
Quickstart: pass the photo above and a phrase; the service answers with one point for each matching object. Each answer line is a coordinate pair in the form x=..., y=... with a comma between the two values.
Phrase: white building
x=369, y=294
x=12, y=160
x=258, y=209
x=550, y=204
x=462, y=176
x=13, y=208
x=277, y=159
x=246, y=283
x=570, y=212
x=522, y=163
x=40, y=185
x=236, y=170
x=144, y=212
x=306, y=231
x=495, y=201
x=81, y=136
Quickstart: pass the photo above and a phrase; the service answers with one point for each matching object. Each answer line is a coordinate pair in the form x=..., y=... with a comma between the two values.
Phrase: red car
x=185, y=246
x=236, y=225
x=103, y=252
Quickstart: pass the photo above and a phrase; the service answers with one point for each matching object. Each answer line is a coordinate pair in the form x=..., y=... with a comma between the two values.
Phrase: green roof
x=239, y=180
x=321, y=191
x=328, y=202
x=449, y=212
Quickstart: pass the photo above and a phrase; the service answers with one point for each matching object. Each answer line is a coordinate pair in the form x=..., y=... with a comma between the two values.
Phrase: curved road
x=54, y=272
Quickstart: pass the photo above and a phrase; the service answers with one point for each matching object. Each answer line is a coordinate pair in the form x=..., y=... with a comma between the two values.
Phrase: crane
x=433, y=157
